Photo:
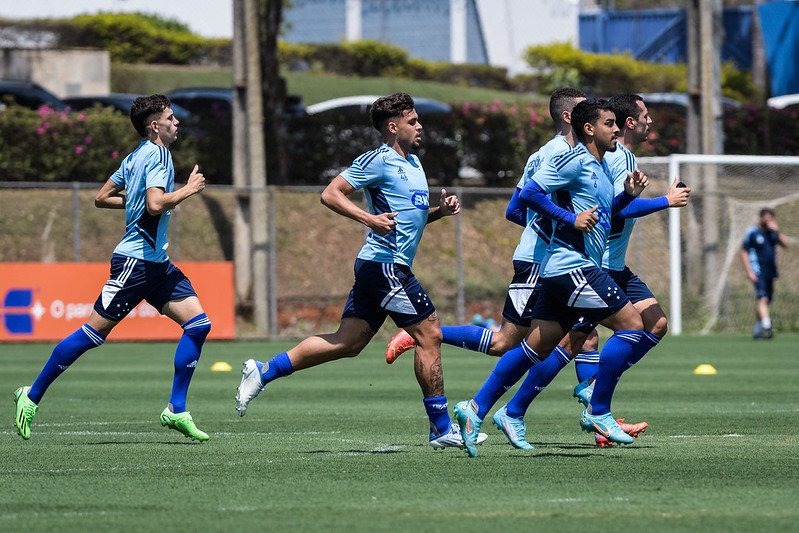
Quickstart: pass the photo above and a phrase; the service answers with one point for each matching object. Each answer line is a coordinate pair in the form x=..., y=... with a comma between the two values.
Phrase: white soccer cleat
x=251, y=386
x=452, y=438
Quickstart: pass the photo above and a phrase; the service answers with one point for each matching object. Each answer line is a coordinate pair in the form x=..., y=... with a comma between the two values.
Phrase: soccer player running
x=140, y=267
x=634, y=121
x=395, y=186
x=759, y=256
x=516, y=315
x=574, y=288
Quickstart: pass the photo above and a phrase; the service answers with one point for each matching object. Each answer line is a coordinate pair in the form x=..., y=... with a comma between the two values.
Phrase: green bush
x=563, y=65
x=604, y=74
x=136, y=38
x=375, y=59
x=132, y=38
x=495, y=140
x=49, y=145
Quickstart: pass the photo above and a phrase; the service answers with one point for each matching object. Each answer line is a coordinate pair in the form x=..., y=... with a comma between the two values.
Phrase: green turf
x=343, y=447
x=148, y=79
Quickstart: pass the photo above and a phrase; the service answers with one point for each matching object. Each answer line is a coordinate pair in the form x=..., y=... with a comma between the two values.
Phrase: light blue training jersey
x=392, y=184
x=533, y=243
x=579, y=182
x=150, y=165
x=620, y=163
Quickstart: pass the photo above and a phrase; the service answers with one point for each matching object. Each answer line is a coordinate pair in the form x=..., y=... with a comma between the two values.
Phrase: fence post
x=272, y=258
x=675, y=260
x=174, y=240
x=460, y=314
x=76, y=220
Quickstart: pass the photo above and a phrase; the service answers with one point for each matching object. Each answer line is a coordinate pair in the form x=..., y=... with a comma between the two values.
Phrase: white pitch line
x=114, y=469
x=585, y=500
x=705, y=436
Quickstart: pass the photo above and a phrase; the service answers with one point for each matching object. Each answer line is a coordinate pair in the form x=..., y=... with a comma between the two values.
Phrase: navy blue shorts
x=133, y=280
x=522, y=293
x=635, y=289
x=764, y=288
x=386, y=289
x=579, y=299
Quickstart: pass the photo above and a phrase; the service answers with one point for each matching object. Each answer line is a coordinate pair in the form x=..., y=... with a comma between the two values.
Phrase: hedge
x=494, y=140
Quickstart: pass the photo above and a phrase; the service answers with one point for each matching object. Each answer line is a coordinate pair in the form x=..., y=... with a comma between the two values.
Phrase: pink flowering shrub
x=492, y=141
x=497, y=139
x=50, y=145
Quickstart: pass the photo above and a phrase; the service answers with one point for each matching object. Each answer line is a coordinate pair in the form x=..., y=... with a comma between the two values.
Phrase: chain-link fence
x=463, y=262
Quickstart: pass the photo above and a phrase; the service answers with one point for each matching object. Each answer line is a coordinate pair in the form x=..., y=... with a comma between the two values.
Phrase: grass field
x=148, y=79
x=343, y=447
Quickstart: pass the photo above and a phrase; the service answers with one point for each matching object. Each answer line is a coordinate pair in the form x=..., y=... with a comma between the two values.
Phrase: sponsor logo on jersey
x=420, y=199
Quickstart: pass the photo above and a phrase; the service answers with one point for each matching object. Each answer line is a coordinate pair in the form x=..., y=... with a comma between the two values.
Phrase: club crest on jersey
x=420, y=199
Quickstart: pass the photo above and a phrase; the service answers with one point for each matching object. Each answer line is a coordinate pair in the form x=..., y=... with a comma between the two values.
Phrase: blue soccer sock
x=648, y=341
x=537, y=379
x=508, y=370
x=470, y=337
x=619, y=348
x=436, y=408
x=586, y=364
x=64, y=354
x=279, y=366
x=187, y=355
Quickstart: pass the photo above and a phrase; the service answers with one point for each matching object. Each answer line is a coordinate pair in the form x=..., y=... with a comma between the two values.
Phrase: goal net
x=690, y=257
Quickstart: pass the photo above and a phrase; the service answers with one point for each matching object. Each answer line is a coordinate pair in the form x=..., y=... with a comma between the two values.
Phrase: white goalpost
x=727, y=193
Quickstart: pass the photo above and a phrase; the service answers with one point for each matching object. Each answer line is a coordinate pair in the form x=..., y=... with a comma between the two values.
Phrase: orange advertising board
x=48, y=301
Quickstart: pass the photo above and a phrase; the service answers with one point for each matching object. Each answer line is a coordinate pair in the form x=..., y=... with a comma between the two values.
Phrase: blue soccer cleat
x=606, y=426
x=583, y=392
x=513, y=428
x=469, y=424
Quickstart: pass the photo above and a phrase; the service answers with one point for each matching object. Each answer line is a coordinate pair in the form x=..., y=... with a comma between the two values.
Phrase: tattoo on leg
x=432, y=380
x=367, y=333
x=433, y=317
x=437, y=379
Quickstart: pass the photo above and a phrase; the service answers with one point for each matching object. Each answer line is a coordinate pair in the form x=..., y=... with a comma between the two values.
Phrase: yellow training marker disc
x=705, y=370
x=221, y=366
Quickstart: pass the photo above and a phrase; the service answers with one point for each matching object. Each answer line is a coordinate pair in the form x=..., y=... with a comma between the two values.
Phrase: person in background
x=759, y=256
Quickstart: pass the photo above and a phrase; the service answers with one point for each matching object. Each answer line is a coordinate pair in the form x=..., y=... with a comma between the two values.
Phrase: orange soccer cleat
x=632, y=429
x=399, y=344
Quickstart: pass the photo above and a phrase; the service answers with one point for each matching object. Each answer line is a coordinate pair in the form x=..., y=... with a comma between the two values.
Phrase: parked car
x=679, y=100
x=119, y=101
x=786, y=101
x=28, y=94
x=217, y=102
x=362, y=104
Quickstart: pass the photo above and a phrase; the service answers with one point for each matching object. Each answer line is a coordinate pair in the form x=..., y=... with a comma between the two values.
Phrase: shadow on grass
x=362, y=452
x=147, y=443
